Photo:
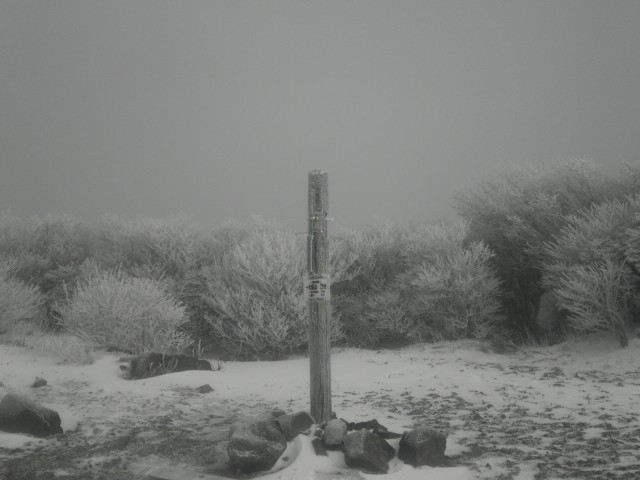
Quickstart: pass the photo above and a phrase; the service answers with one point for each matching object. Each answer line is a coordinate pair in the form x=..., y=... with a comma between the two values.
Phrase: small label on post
x=317, y=287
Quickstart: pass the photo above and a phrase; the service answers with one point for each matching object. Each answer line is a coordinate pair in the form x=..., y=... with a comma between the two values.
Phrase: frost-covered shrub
x=112, y=308
x=516, y=213
x=255, y=296
x=175, y=251
x=591, y=266
x=450, y=290
x=370, y=303
x=597, y=297
x=149, y=247
x=418, y=283
x=19, y=301
x=47, y=252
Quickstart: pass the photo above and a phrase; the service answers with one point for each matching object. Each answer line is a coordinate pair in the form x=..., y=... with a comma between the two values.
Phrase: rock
x=375, y=426
x=294, y=424
x=318, y=447
x=277, y=413
x=422, y=446
x=39, y=382
x=255, y=444
x=366, y=450
x=334, y=433
x=151, y=364
x=206, y=388
x=368, y=425
x=18, y=414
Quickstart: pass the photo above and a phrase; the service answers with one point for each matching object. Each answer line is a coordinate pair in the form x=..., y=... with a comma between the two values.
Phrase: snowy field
x=567, y=411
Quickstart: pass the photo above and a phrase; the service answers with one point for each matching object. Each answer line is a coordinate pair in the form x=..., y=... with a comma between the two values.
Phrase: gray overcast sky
x=219, y=109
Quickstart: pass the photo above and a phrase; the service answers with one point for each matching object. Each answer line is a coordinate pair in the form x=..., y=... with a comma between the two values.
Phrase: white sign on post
x=317, y=287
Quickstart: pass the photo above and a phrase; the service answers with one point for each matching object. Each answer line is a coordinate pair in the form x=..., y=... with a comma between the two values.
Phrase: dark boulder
x=422, y=446
x=255, y=444
x=18, y=414
x=293, y=424
x=366, y=450
x=151, y=364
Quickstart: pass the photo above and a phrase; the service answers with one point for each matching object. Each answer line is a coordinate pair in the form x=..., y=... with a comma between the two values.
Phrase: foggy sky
x=219, y=109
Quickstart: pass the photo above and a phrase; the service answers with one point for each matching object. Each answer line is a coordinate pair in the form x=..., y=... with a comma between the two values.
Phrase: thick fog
x=219, y=109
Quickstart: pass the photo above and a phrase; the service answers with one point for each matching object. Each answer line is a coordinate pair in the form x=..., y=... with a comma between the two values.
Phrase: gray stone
x=334, y=433
x=366, y=450
x=293, y=424
x=255, y=444
x=422, y=446
x=39, y=382
x=318, y=447
x=18, y=414
x=206, y=388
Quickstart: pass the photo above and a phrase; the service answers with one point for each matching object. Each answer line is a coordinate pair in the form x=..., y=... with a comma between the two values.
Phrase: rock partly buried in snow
x=39, y=382
x=366, y=450
x=151, y=364
x=318, y=447
x=206, y=388
x=18, y=414
x=293, y=424
x=422, y=446
x=256, y=443
x=334, y=433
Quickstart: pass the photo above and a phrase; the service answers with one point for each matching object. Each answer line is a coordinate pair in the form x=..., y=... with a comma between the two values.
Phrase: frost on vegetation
x=517, y=213
x=19, y=302
x=451, y=290
x=114, y=309
x=597, y=298
x=592, y=267
x=150, y=247
x=420, y=283
x=255, y=294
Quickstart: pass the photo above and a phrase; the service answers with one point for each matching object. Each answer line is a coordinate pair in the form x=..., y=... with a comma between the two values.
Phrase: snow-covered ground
x=567, y=411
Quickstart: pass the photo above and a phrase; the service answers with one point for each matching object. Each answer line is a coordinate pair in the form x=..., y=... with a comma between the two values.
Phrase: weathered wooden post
x=317, y=291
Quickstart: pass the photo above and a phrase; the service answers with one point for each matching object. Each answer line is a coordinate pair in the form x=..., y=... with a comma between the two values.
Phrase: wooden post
x=317, y=290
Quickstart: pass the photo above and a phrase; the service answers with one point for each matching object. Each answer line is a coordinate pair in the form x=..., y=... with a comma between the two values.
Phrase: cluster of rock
x=256, y=443
x=18, y=414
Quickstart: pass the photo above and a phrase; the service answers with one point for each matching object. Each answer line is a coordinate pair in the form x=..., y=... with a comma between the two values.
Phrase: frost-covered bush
x=149, y=247
x=597, y=297
x=19, y=302
x=450, y=289
x=591, y=266
x=370, y=303
x=112, y=308
x=516, y=213
x=175, y=251
x=418, y=283
x=254, y=294
x=47, y=252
